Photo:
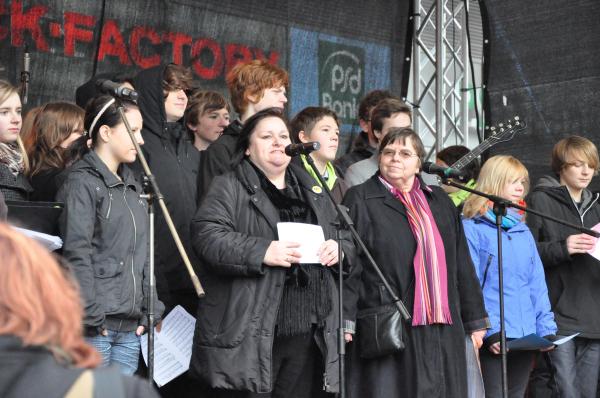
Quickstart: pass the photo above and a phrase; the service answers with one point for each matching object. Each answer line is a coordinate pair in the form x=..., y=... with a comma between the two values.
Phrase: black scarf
x=306, y=295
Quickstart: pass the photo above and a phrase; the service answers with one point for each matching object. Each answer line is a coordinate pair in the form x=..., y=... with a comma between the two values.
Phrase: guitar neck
x=474, y=154
x=502, y=133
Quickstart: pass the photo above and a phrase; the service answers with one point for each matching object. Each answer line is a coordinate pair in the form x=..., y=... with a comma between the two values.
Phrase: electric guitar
x=501, y=133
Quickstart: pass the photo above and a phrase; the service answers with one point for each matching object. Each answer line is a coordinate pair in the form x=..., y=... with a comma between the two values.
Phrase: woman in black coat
x=268, y=321
x=450, y=305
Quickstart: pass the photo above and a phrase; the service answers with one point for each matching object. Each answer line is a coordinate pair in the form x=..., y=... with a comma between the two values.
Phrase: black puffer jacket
x=572, y=280
x=236, y=320
x=174, y=162
x=105, y=233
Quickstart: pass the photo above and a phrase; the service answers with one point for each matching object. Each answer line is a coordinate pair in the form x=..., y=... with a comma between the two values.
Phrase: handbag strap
x=412, y=282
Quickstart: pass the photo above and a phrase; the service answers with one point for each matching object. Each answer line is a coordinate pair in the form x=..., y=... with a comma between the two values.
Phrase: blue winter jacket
x=526, y=304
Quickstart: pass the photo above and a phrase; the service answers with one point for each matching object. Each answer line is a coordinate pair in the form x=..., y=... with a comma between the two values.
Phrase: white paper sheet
x=172, y=346
x=310, y=237
x=565, y=339
x=595, y=252
x=50, y=242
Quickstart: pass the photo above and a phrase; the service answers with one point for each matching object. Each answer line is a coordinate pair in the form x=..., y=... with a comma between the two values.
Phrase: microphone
x=117, y=89
x=301, y=149
x=444, y=172
x=25, y=75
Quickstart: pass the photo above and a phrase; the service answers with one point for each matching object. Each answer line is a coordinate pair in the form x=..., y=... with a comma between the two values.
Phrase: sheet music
x=172, y=346
x=310, y=237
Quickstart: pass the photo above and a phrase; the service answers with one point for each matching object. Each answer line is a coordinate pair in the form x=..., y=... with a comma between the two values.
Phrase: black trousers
x=297, y=371
x=519, y=365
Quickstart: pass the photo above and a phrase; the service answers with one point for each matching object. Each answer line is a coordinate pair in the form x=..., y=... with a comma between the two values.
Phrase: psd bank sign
x=341, y=79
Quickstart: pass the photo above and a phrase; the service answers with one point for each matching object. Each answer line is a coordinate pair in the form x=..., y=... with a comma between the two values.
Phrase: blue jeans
x=118, y=348
x=575, y=365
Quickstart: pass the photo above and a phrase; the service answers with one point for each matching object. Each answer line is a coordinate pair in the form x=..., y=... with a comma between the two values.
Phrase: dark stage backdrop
x=335, y=51
x=543, y=63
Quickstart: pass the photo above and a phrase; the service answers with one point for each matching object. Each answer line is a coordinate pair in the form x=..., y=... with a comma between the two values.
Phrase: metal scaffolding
x=440, y=75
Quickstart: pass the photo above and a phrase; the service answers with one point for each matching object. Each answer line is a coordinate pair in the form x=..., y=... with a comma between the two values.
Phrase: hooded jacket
x=526, y=303
x=235, y=324
x=572, y=280
x=105, y=239
x=89, y=89
x=174, y=162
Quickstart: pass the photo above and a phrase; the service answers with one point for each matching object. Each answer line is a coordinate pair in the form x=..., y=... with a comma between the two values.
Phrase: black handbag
x=380, y=331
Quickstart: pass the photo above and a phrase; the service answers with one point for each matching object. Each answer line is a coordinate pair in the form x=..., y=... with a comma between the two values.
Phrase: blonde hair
x=6, y=90
x=493, y=177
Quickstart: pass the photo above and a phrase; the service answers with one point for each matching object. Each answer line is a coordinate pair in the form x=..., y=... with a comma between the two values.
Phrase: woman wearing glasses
x=415, y=235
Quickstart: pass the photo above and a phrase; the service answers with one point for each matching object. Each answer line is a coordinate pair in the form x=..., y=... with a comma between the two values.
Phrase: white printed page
x=172, y=346
x=310, y=237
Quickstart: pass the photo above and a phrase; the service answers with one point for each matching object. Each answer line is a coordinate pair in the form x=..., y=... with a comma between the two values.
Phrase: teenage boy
x=320, y=125
x=253, y=86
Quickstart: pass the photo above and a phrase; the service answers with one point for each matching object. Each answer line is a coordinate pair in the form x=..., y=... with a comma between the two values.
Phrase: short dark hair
x=307, y=118
x=401, y=134
x=385, y=109
x=176, y=77
x=243, y=141
x=201, y=102
x=452, y=154
x=371, y=100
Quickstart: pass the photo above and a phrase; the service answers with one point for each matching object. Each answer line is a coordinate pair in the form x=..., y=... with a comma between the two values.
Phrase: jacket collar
x=92, y=162
x=234, y=128
x=375, y=189
x=247, y=176
x=520, y=227
x=551, y=186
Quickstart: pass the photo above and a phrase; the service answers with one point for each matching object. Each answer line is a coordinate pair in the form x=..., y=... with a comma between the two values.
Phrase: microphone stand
x=155, y=194
x=151, y=280
x=25, y=76
x=500, y=207
x=345, y=222
x=161, y=201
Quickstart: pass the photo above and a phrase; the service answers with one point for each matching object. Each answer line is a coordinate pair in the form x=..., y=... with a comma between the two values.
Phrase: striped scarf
x=431, y=280
x=10, y=155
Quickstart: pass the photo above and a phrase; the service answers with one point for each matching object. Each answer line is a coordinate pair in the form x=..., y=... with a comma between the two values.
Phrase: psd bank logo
x=341, y=79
